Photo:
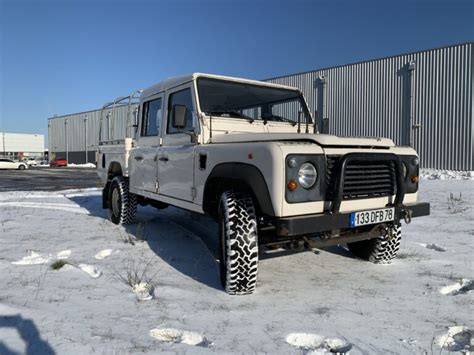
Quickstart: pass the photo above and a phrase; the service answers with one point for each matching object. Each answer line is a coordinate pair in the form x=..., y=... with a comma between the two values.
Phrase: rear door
x=176, y=155
x=143, y=158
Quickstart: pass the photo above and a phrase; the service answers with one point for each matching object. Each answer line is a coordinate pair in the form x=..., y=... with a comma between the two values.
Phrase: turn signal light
x=292, y=185
x=415, y=179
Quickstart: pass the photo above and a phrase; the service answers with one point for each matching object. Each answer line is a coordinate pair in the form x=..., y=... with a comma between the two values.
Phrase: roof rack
x=130, y=101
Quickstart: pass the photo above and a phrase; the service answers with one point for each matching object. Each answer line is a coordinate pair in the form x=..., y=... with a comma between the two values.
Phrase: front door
x=176, y=155
x=143, y=159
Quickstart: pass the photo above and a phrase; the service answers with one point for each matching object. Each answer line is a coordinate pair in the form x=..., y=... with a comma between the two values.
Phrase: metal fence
x=422, y=99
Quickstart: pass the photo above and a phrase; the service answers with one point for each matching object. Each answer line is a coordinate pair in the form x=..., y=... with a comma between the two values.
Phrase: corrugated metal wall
x=422, y=99
x=74, y=131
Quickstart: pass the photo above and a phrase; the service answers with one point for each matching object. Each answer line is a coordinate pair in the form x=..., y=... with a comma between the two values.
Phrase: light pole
x=66, y=121
x=49, y=141
x=85, y=137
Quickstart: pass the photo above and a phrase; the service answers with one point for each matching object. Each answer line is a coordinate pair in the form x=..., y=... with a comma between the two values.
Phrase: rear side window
x=183, y=98
x=151, y=119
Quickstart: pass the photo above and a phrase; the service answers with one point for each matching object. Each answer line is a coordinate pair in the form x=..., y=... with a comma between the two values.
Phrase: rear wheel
x=21, y=167
x=238, y=243
x=122, y=203
x=381, y=250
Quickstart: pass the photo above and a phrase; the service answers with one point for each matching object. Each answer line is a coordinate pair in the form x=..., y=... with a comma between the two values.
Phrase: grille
x=362, y=179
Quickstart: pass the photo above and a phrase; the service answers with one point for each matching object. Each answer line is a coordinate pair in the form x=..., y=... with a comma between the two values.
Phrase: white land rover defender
x=249, y=154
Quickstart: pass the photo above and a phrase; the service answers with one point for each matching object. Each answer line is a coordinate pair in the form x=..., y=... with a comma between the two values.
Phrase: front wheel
x=122, y=203
x=380, y=250
x=21, y=167
x=238, y=243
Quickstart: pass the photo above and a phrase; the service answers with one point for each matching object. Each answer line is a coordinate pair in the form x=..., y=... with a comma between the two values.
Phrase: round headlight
x=415, y=161
x=307, y=175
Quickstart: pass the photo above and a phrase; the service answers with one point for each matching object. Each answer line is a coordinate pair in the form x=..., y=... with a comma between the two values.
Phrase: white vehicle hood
x=324, y=140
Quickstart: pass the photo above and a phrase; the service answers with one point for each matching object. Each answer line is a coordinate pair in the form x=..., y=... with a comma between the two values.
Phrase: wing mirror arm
x=179, y=121
x=193, y=135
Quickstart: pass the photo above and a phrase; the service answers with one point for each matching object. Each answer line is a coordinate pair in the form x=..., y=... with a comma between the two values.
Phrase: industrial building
x=19, y=146
x=423, y=99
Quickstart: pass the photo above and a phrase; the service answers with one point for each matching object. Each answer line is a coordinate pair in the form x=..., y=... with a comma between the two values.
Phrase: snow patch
x=33, y=258
x=67, y=267
x=456, y=339
x=92, y=270
x=434, y=174
x=433, y=246
x=50, y=206
x=463, y=286
x=318, y=343
x=88, y=165
x=64, y=254
x=171, y=335
x=143, y=291
x=104, y=254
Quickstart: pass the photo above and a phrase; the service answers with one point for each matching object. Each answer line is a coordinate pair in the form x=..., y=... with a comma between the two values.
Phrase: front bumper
x=308, y=225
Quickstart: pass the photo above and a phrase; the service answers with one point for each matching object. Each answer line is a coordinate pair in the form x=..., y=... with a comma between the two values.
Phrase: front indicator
x=415, y=179
x=292, y=185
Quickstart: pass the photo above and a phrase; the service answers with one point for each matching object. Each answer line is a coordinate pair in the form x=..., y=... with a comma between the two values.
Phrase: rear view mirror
x=179, y=116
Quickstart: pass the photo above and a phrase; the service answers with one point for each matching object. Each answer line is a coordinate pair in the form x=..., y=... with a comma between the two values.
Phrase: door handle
x=138, y=158
x=163, y=159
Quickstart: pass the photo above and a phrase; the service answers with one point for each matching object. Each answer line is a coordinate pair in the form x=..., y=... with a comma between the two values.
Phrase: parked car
x=58, y=162
x=10, y=164
x=31, y=162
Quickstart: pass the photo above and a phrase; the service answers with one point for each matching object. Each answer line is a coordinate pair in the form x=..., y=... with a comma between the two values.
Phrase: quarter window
x=183, y=98
x=152, y=114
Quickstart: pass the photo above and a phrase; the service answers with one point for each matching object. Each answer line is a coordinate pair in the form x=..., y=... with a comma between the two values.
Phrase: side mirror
x=179, y=116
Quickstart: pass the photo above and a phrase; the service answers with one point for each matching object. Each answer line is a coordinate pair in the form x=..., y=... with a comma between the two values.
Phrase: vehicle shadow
x=186, y=241
x=339, y=250
x=29, y=334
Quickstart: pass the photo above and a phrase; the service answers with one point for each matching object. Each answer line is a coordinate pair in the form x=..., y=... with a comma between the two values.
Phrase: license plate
x=371, y=217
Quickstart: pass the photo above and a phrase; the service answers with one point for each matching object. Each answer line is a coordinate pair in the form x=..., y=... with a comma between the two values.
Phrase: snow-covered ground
x=305, y=302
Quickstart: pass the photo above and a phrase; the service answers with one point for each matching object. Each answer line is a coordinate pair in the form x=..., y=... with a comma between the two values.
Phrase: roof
x=180, y=80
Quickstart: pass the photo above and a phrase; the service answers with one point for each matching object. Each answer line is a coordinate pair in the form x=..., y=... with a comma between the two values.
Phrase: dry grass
x=136, y=272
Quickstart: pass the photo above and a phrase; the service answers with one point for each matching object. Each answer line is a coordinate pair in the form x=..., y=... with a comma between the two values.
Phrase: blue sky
x=66, y=56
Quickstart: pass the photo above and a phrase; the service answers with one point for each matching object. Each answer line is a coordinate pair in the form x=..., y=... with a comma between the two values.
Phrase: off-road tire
x=381, y=250
x=122, y=203
x=238, y=243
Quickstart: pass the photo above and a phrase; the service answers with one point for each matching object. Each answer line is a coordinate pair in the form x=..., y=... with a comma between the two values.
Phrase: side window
x=151, y=118
x=183, y=98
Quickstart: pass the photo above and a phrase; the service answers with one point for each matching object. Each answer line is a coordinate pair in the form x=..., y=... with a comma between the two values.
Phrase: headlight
x=307, y=175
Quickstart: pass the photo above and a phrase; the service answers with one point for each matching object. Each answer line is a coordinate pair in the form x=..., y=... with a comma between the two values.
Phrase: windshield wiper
x=271, y=117
x=231, y=113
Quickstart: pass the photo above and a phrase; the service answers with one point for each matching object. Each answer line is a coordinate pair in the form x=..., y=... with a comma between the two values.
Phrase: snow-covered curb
x=88, y=165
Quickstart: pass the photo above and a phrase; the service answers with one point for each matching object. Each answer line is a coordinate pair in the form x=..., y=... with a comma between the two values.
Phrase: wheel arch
x=240, y=176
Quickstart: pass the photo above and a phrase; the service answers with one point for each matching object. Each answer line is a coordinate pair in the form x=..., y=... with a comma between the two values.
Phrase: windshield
x=252, y=102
